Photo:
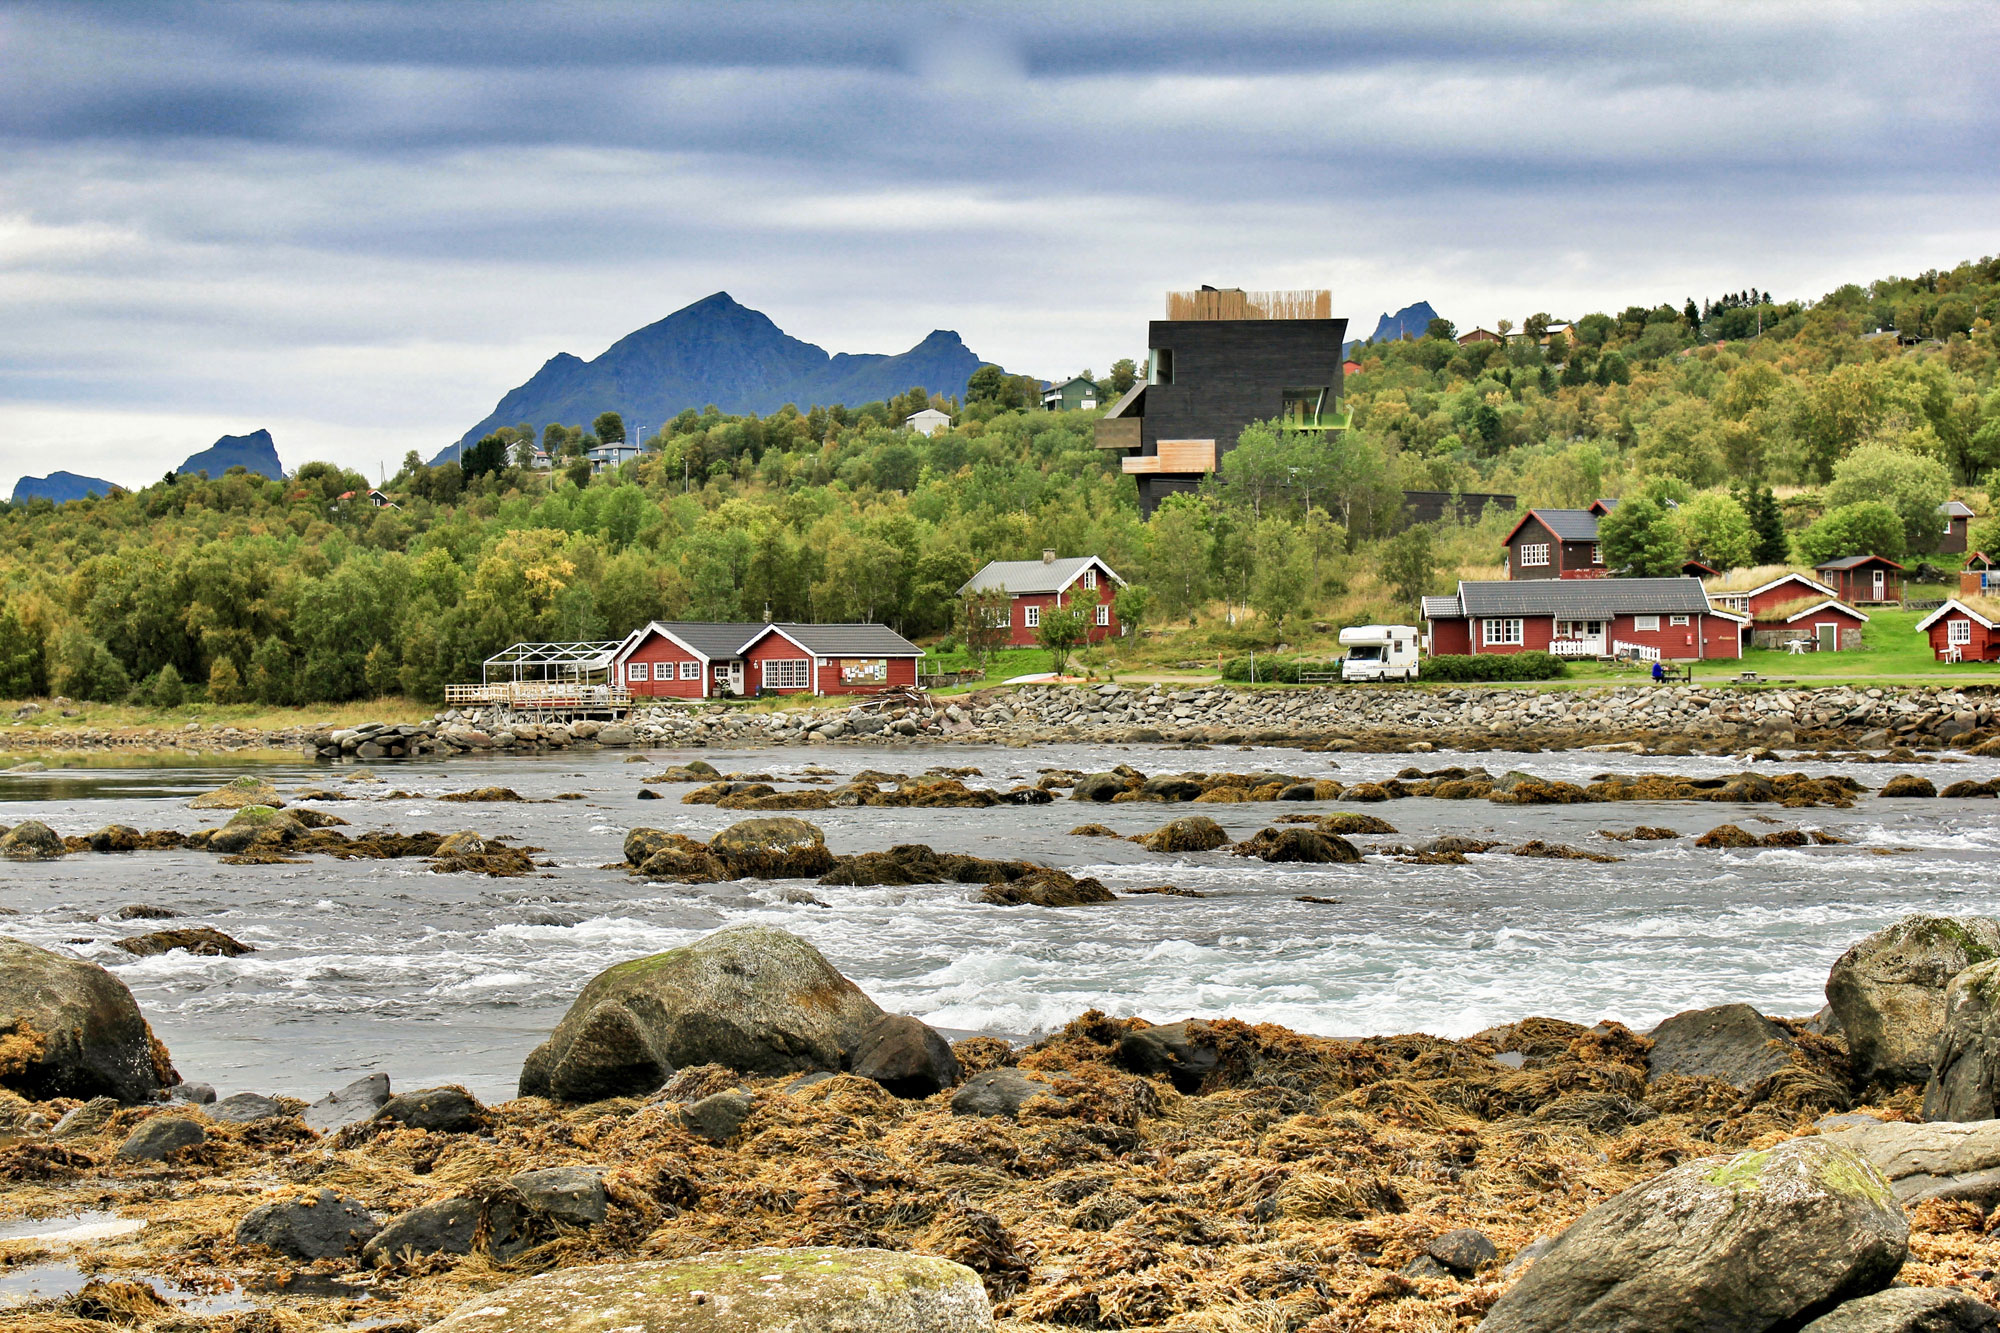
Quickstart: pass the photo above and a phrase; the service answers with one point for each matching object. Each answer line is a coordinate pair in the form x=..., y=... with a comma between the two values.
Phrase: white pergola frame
x=548, y=661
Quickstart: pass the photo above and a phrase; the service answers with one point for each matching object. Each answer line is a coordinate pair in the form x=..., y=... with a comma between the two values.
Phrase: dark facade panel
x=1471, y=506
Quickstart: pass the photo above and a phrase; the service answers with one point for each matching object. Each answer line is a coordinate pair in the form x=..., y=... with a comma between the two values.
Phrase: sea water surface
x=384, y=965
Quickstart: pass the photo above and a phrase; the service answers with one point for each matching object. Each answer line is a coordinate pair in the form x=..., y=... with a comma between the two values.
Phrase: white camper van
x=1379, y=652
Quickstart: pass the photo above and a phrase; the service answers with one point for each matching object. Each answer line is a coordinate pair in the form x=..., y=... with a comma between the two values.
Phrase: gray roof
x=1569, y=525
x=1441, y=608
x=717, y=641
x=1032, y=576
x=1957, y=509
x=1855, y=562
x=1130, y=403
x=1586, y=599
x=843, y=640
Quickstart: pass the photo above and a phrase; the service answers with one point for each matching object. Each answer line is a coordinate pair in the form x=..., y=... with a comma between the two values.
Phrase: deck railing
x=1576, y=647
x=545, y=694
x=1641, y=651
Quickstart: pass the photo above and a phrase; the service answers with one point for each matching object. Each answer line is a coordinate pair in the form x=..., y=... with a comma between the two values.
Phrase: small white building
x=927, y=422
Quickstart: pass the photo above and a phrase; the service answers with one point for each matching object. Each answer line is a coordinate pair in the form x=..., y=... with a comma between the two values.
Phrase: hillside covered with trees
x=1743, y=429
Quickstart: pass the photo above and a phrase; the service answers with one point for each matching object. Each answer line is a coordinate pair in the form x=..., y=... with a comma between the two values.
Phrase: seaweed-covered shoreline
x=1290, y=1185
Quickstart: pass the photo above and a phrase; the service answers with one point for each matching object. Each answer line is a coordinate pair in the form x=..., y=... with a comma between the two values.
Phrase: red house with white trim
x=829, y=659
x=1032, y=586
x=1793, y=606
x=1964, y=630
x=682, y=660
x=1863, y=578
x=1652, y=618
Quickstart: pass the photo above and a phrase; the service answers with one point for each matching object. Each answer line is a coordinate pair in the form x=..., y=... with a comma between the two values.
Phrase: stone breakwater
x=1659, y=719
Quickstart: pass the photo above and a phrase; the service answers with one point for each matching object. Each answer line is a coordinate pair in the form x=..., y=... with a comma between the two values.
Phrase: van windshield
x=1367, y=652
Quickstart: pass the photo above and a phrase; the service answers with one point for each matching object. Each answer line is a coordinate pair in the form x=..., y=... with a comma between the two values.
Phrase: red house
x=1790, y=607
x=1863, y=578
x=1555, y=544
x=1964, y=630
x=1032, y=586
x=829, y=659
x=1648, y=618
x=682, y=660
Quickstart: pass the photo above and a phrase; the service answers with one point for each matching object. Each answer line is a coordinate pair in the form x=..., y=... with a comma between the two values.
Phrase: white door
x=1881, y=577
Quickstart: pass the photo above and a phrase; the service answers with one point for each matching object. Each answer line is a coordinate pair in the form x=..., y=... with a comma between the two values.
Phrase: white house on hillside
x=927, y=422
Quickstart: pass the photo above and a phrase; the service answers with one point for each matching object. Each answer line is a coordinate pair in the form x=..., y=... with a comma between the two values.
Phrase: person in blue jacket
x=1659, y=672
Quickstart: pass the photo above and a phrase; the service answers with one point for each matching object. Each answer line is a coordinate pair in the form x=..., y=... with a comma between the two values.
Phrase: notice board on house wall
x=864, y=671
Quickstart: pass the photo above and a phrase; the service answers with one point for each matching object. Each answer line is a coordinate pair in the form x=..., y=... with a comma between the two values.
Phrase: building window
x=1032, y=616
x=1646, y=624
x=1597, y=555
x=1534, y=553
x=1579, y=629
x=636, y=671
x=1163, y=366
x=1499, y=631
x=690, y=671
x=1677, y=620
x=1104, y=615
x=1958, y=631
x=721, y=672
x=787, y=673
x=1090, y=578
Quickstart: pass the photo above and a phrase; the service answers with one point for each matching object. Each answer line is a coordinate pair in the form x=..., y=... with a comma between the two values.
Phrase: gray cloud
x=369, y=219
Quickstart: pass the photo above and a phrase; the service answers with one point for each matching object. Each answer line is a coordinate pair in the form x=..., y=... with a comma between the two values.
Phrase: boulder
x=754, y=998
x=571, y=1194
x=465, y=843
x=246, y=790
x=205, y=941
x=1910, y=1310
x=351, y=1105
x=1047, y=888
x=445, y=1227
x=906, y=1056
x=676, y=864
x=1097, y=787
x=446, y=1110
x=321, y=1225
x=159, y=1137
x=69, y=1028
x=740, y=1291
x=260, y=824
x=641, y=843
x=1732, y=1042
x=1002, y=1091
x=1307, y=845
x=1908, y=784
x=1887, y=991
x=1464, y=1251
x=1967, y=1060
x=1190, y=833
x=1185, y=1052
x=243, y=1108
x=1959, y=1162
x=31, y=840
x=776, y=847
x=718, y=1116
x=1759, y=1241
x=116, y=838
x=1353, y=821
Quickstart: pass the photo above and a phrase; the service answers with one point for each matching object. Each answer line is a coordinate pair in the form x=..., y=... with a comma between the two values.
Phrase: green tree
x=1281, y=573
x=1611, y=369
x=274, y=673
x=1124, y=374
x=1065, y=628
x=1641, y=540
x=167, y=690
x=20, y=656
x=225, y=683
x=1911, y=484
x=1867, y=528
x=1716, y=531
x=1408, y=563
x=489, y=455
x=1182, y=546
x=986, y=614
x=1441, y=329
x=609, y=428
x=1133, y=606
x=1767, y=525
x=81, y=667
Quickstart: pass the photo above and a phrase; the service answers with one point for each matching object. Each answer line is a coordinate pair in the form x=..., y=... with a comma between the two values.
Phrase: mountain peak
x=254, y=452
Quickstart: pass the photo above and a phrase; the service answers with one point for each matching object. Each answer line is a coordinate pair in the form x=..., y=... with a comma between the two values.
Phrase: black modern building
x=1221, y=360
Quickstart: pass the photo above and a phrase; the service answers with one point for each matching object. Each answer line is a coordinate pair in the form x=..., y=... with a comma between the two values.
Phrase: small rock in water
x=143, y=912
x=204, y=941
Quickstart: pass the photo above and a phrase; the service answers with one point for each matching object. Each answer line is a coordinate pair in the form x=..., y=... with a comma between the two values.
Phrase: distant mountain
x=1409, y=322
x=60, y=487
x=254, y=452
x=718, y=351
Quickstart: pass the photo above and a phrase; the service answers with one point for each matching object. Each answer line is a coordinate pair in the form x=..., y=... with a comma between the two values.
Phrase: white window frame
x=1090, y=578
x=1958, y=632
x=786, y=673
x=1104, y=615
x=1579, y=629
x=1502, y=631
x=690, y=671
x=1645, y=624
x=1597, y=555
x=637, y=671
x=1534, y=555
x=1032, y=615
x=1677, y=620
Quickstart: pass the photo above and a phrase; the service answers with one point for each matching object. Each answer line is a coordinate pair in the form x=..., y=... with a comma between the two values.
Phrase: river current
x=384, y=965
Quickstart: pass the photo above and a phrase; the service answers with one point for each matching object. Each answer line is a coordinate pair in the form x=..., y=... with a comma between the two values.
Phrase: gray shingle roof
x=714, y=640
x=1569, y=525
x=1856, y=561
x=1032, y=576
x=1575, y=599
x=1957, y=509
x=843, y=640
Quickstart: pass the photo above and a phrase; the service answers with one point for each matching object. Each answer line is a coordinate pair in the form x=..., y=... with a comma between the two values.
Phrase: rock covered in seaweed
x=68, y=1028
x=756, y=999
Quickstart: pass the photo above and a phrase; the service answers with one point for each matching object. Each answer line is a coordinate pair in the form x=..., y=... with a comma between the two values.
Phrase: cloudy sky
x=359, y=222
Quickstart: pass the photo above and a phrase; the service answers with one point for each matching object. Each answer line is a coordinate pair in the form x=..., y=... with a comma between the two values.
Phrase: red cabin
x=1032, y=586
x=1857, y=579
x=1964, y=630
x=829, y=659
x=682, y=660
x=1647, y=618
x=1794, y=607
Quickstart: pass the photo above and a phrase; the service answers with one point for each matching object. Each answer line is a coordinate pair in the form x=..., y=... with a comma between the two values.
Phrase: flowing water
x=384, y=965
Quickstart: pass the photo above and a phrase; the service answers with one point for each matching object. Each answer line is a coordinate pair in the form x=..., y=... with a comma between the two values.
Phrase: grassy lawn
x=248, y=717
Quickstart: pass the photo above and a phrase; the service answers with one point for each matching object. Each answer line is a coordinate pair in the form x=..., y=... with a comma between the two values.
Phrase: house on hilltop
x=1651, y=618
x=1078, y=393
x=1479, y=336
x=927, y=422
x=1555, y=544
x=1033, y=586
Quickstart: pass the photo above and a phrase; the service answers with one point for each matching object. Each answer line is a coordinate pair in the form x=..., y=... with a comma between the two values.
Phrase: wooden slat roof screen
x=1235, y=303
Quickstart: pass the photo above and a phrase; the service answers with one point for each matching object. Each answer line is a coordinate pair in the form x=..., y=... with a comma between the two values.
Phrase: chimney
x=1048, y=557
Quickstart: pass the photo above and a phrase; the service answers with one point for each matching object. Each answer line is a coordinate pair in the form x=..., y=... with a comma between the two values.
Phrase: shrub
x=1494, y=666
x=81, y=667
x=166, y=690
x=225, y=682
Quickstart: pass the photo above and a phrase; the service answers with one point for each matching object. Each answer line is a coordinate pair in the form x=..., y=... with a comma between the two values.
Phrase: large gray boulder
x=1910, y=1310
x=1732, y=1042
x=30, y=840
x=1754, y=1242
x=1887, y=991
x=1959, y=1162
x=754, y=998
x=320, y=1225
x=351, y=1105
x=775, y=847
x=69, y=1028
x=740, y=1291
x=1966, y=1064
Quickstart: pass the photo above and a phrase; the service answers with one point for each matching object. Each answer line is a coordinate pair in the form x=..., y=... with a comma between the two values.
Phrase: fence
x=550, y=695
